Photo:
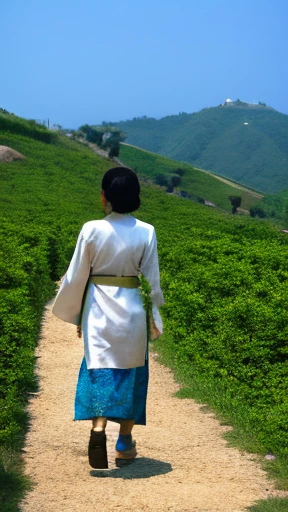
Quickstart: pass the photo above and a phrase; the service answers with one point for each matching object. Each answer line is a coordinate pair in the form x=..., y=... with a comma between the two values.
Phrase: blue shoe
x=125, y=447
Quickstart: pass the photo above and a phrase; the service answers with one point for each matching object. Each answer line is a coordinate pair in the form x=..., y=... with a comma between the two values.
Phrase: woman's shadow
x=142, y=467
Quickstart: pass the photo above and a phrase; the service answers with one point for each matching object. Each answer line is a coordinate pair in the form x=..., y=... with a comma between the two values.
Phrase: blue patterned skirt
x=113, y=393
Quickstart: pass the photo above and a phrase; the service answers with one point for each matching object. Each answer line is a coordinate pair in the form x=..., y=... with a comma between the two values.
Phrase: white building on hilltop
x=227, y=101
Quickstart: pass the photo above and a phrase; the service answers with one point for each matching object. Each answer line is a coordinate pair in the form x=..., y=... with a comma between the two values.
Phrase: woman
x=100, y=295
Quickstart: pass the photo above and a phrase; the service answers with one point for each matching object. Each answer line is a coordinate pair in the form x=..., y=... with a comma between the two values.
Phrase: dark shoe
x=97, y=451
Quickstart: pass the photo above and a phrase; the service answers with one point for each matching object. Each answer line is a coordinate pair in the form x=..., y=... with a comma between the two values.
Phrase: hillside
x=243, y=142
x=199, y=185
x=224, y=279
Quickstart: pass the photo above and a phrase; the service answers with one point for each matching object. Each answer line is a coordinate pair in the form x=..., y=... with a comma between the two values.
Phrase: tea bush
x=29, y=128
x=44, y=200
x=224, y=279
x=227, y=314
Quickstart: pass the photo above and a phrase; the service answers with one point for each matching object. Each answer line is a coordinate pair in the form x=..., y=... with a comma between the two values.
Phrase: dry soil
x=183, y=465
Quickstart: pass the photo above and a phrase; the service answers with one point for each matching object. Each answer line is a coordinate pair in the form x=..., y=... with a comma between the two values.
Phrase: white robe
x=113, y=319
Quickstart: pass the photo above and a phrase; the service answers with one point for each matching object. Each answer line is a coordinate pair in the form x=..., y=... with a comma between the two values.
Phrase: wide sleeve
x=150, y=269
x=68, y=302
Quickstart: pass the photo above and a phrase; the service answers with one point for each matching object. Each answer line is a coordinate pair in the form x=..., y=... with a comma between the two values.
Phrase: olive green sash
x=119, y=281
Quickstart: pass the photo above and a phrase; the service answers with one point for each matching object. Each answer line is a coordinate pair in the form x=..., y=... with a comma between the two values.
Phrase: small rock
x=270, y=456
x=8, y=154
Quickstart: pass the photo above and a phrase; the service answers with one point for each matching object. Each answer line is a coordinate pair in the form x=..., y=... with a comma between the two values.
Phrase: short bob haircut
x=121, y=188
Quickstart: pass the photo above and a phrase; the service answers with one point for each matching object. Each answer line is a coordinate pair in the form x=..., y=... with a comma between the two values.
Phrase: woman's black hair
x=121, y=188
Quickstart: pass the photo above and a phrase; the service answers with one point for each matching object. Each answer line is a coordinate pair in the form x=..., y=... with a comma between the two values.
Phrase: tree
x=84, y=128
x=161, y=180
x=175, y=180
x=236, y=202
x=111, y=140
x=114, y=150
x=92, y=134
x=105, y=136
x=168, y=180
x=257, y=211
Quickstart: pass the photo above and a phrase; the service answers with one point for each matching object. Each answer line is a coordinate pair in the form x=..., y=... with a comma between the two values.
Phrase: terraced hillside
x=224, y=279
x=200, y=185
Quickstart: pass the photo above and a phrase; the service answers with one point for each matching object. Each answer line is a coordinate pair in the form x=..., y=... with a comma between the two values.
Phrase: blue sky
x=87, y=61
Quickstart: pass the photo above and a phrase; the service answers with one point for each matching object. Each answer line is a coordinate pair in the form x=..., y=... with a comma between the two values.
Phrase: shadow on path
x=142, y=467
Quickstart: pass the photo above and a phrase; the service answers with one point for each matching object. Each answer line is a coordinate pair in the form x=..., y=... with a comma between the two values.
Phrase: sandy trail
x=183, y=465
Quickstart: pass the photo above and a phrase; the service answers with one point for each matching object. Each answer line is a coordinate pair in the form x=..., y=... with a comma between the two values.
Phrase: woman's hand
x=154, y=331
x=79, y=331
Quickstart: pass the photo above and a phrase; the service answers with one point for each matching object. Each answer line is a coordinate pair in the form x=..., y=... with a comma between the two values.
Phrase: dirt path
x=183, y=465
x=232, y=184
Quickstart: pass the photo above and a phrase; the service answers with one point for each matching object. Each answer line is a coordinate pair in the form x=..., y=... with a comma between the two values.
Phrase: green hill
x=200, y=185
x=243, y=142
x=28, y=127
x=224, y=279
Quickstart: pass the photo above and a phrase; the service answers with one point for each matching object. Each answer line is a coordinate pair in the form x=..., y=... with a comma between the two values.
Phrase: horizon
x=256, y=104
x=111, y=122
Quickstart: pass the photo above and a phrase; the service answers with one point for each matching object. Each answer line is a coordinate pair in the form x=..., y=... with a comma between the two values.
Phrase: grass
x=197, y=183
x=270, y=505
x=13, y=483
